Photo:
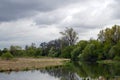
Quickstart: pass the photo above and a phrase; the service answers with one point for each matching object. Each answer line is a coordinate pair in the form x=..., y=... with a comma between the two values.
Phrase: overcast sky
x=25, y=21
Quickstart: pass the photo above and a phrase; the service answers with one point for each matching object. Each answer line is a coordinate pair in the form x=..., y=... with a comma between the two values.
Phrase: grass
x=108, y=61
x=30, y=63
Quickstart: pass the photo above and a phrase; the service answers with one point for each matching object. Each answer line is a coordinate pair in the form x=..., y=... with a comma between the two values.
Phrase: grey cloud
x=82, y=21
x=15, y=9
x=116, y=9
x=48, y=17
x=23, y=33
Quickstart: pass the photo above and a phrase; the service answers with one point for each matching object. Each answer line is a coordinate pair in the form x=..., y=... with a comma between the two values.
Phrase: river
x=72, y=71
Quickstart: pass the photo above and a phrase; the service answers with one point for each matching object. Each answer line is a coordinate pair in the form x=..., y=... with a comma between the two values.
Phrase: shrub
x=89, y=54
x=66, y=52
x=7, y=56
x=117, y=58
x=75, y=53
x=114, y=51
x=78, y=50
x=52, y=52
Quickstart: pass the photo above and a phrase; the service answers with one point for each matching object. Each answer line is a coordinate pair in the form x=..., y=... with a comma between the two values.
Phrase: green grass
x=108, y=62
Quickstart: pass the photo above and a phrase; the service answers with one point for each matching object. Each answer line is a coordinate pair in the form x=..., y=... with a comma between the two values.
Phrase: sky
x=23, y=22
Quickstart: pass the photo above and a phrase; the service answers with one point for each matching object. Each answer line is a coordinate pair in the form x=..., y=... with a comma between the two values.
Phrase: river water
x=72, y=71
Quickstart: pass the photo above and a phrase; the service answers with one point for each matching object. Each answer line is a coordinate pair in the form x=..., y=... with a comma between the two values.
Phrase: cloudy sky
x=25, y=21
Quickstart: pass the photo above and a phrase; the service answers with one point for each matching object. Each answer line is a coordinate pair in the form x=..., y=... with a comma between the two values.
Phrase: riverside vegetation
x=105, y=48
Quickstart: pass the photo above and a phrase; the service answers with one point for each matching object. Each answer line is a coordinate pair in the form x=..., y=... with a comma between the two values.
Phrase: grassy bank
x=108, y=61
x=29, y=63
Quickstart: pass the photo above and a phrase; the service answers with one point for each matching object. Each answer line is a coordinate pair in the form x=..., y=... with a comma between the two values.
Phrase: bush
x=75, y=53
x=89, y=54
x=117, y=58
x=78, y=50
x=7, y=56
x=66, y=52
x=114, y=51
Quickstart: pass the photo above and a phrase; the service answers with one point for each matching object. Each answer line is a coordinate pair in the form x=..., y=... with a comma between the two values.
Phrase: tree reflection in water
x=86, y=71
x=62, y=73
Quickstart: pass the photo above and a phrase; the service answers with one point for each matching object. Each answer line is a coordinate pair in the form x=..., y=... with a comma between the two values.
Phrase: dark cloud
x=116, y=9
x=15, y=9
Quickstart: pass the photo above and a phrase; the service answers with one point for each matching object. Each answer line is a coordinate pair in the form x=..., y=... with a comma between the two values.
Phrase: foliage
x=16, y=51
x=110, y=35
x=7, y=56
x=78, y=50
x=75, y=53
x=52, y=52
x=88, y=53
x=106, y=47
x=43, y=47
x=66, y=52
x=1, y=52
x=113, y=51
x=32, y=51
x=5, y=50
x=92, y=51
x=117, y=58
x=38, y=52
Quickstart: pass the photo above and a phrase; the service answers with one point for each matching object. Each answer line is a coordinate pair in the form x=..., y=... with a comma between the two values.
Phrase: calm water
x=73, y=71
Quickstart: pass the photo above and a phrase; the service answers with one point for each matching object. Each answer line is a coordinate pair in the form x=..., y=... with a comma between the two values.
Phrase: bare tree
x=70, y=35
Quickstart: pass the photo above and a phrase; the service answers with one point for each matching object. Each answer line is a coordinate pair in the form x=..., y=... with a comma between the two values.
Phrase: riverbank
x=30, y=63
x=108, y=62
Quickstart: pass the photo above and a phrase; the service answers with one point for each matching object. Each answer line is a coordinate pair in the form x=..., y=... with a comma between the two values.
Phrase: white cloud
x=24, y=32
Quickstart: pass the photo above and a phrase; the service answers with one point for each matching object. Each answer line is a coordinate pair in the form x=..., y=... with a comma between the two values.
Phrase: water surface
x=73, y=71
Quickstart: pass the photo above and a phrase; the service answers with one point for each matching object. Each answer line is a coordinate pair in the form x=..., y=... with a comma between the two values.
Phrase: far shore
x=108, y=62
x=30, y=63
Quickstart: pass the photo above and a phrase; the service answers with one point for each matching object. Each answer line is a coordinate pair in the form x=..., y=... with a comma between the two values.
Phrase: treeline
x=107, y=46
x=53, y=48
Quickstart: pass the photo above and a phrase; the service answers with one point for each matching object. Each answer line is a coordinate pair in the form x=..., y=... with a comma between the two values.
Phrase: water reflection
x=27, y=75
x=94, y=71
x=73, y=71
x=45, y=74
x=62, y=73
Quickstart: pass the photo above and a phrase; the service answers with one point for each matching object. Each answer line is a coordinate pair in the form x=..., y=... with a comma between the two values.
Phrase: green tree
x=78, y=50
x=30, y=52
x=110, y=35
x=1, y=52
x=66, y=52
x=52, y=52
x=38, y=52
x=106, y=48
x=16, y=50
x=33, y=51
x=4, y=50
x=117, y=58
x=75, y=53
x=89, y=53
x=113, y=51
x=7, y=56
